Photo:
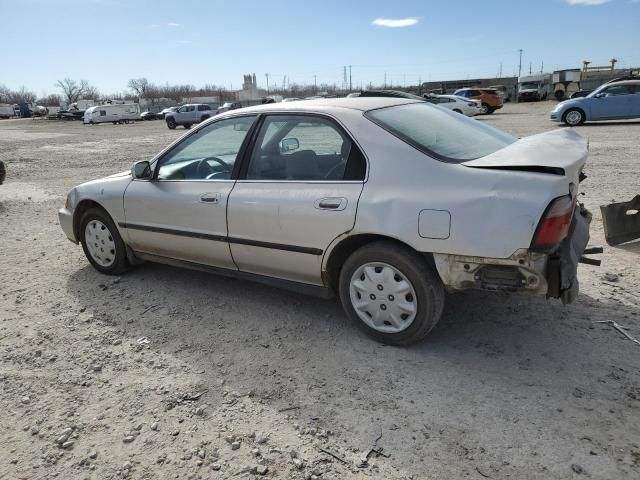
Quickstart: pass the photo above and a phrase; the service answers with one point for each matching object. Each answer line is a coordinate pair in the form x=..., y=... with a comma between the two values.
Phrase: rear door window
x=303, y=148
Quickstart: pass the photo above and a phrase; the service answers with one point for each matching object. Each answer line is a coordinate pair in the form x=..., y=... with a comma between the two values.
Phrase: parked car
x=462, y=105
x=229, y=106
x=304, y=195
x=490, y=99
x=188, y=115
x=611, y=101
x=3, y=172
x=291, y=99
x=164, y=112
x=148, y=116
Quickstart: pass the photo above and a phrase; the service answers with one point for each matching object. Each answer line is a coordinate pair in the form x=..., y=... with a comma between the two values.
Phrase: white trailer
x=119, y=113
x=6, y=110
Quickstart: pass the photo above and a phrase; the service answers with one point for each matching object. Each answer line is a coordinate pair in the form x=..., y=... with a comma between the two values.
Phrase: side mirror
x=141, y=170
x=600, y=95
x=289, y=145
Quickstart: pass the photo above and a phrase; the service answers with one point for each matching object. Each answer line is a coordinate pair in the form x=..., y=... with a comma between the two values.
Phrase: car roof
x=323, y=104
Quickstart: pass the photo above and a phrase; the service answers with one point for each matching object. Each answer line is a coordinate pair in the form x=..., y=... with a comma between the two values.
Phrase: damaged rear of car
x=493, y=212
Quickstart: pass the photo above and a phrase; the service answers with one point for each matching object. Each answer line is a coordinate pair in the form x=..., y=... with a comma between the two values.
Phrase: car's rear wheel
x=187, y=126
x=102, y=243
x=171, y=123
x=573, y=117
x=391, y=292
x=204, y=117
x=485, y=109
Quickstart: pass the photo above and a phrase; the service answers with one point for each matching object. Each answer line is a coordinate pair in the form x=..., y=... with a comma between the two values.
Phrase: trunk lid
x=559, y=152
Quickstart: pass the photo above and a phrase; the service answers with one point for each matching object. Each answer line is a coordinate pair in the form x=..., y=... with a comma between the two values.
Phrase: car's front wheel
x=102, y=243
x=573, y=117
x=171, y=123
x=391, y=292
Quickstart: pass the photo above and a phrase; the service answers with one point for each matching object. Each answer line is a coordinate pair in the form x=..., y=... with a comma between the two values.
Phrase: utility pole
x=542, y=67
x=500, y=74
x=267, y=75
x=350, y=85
x=529, y=68
x=520, y=64
x=315, y=83
x=519, y=75
x=385, y=79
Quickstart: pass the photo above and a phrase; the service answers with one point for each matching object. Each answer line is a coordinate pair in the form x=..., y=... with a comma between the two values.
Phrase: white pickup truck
x=188, y=115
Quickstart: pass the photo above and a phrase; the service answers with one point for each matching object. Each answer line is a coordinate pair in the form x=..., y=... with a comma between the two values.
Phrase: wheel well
x=346, y=247
x=82, y=207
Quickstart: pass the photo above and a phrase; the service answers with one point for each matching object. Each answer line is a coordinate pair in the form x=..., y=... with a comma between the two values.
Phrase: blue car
x=611, y=101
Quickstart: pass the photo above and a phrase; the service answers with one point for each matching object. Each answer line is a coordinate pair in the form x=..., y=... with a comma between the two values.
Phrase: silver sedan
x=386, y=203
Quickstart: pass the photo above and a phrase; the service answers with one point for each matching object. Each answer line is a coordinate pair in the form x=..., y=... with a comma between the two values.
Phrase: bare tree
x=140, y=86
x=88, y=92
x=5, y=94
x=22, y=96
x=70, y=89
x=51, y=100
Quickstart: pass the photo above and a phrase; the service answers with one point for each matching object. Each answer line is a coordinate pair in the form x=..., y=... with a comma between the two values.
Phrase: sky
x=199, y=42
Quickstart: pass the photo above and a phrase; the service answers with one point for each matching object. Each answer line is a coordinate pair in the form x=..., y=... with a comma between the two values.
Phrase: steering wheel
x=204, y=170
x=335, y=170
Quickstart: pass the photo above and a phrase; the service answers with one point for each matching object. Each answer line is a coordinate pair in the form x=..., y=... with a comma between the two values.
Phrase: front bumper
x=555, y=117
x=66, y=222
x=562, y=266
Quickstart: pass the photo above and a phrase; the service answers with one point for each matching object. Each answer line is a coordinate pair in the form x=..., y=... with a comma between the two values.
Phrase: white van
x=119, y=113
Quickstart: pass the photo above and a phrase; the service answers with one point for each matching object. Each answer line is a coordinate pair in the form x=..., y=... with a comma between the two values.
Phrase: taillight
x=554, y=225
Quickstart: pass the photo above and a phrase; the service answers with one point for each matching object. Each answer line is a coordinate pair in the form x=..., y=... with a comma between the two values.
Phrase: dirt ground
x=169, y=373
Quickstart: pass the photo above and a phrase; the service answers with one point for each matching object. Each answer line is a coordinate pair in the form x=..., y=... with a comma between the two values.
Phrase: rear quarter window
x=443, y=135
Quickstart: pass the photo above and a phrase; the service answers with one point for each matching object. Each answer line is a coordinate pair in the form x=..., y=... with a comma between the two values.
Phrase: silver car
x=384, y=202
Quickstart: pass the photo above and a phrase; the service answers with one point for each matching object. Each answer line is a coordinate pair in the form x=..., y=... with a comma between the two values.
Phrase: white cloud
x=395, y=22
x=587, y=2
x=172, y=24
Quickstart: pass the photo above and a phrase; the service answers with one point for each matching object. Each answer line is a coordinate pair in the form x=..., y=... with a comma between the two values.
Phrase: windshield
x=439, y=133
x=529, y=85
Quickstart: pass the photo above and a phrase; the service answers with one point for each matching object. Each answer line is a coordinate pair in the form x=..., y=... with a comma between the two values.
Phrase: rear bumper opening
x=552, y=274
x=522, y=272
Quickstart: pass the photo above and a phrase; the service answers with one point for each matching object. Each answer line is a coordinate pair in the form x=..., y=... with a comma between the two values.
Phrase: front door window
x=208, y=154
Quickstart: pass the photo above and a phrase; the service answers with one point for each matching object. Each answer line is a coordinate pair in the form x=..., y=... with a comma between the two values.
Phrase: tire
x=107, y=253
x=396, y=264
x=485, y=109
x=171, y=123
x=115, y=123
x=187, y=126
x=559, y=94
x=203, y=118
x=573, y=117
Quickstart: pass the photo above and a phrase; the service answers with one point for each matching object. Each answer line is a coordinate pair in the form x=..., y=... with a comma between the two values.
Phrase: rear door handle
x=210, y=198
x=331, y=203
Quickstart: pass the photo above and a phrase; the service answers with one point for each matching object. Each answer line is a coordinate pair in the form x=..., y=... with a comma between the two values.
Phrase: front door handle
x=210, y=198
x=331, y=203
